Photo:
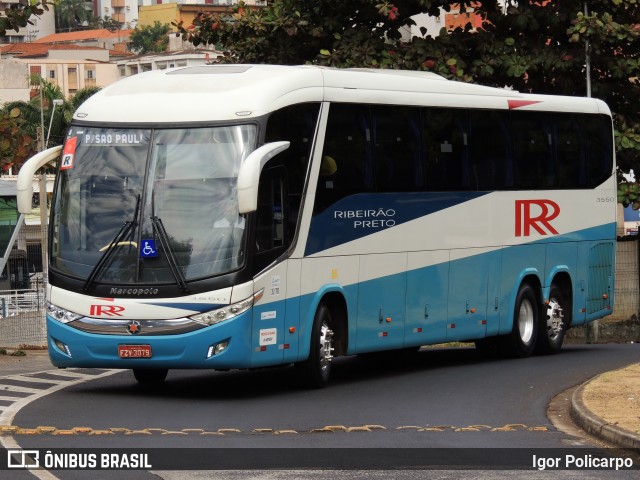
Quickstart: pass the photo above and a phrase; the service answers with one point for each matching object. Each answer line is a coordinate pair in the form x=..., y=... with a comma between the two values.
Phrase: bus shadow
x=347, y=372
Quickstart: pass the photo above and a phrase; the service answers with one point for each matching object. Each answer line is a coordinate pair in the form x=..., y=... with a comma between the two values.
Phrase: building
x=185, y=10
x=102, y=38
x=41, y=25
x=71, y=67
x=122, y=11
x=13, y=84
x=160, y=61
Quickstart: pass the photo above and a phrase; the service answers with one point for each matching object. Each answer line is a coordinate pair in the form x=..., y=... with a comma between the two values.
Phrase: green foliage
x=16, y=143
x=108, y=23
x=17, y=15
x=20, y=122
x=150, y=38
x=72, y=15
x=538, y=47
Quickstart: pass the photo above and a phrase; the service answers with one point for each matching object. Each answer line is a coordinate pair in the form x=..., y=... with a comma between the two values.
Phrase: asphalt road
x=449, y=399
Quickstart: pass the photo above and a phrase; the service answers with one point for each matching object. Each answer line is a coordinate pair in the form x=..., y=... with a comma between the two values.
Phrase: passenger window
x=397, y=149
x=446, y=149
x=347, y=160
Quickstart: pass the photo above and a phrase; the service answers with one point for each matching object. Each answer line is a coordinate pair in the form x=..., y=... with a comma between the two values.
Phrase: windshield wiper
x=170, y=255
x=127, y=229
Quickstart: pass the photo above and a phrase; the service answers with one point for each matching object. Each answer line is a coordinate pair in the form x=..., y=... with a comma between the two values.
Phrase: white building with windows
x=41, y=26
x=161, y=61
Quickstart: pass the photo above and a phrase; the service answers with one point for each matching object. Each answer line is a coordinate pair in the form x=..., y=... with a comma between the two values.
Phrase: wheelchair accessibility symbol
x=148, y=249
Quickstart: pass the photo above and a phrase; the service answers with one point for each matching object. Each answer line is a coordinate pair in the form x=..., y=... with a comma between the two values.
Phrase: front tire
x=521, y=341
x=316, y=370
x=150, y=376
x=553, y=325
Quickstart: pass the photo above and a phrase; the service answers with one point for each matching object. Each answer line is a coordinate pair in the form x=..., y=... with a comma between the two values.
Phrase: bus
x=246, y=216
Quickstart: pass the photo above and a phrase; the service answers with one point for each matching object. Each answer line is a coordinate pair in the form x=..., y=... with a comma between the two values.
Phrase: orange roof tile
x=84, y=35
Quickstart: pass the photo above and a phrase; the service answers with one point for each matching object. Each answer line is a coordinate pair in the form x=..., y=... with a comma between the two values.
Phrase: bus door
x=381, y=302
x=268, y=337
x=468, y=289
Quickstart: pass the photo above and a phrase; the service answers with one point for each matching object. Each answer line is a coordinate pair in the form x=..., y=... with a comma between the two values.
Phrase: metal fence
x=627, y=281
x=22, y=291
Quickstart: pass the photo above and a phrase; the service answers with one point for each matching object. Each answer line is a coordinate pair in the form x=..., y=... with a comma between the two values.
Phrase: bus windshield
x=134, y=205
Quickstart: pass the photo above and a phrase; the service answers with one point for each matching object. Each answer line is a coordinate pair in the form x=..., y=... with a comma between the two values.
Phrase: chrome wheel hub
x=555, y=318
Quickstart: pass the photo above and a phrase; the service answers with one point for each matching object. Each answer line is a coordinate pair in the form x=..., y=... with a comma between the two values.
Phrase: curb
x=598, y=427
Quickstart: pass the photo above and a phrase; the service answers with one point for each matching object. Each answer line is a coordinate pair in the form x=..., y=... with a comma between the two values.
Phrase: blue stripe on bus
x=357, y=216
x=195, y=307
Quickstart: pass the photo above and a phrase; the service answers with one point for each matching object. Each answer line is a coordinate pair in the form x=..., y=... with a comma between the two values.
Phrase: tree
x=109, y=23
x=16, y=143
x=72, y=15
x=530, y=45
x=150, y=38
x=18, y=14
x=20, y=122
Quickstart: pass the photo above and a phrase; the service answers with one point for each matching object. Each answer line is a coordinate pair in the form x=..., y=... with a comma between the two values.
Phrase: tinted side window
x=446, y=153
x=570, y=165
x=347, y=157
x=296, y=124
x=397, y=149
x=491, y=167
x=598, y=131
x=532, y=150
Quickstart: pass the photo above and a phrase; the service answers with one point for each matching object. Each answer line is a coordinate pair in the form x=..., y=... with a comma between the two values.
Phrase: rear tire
x=521, y=341
x=316, y=370
x=150, y=376
x=552, y=323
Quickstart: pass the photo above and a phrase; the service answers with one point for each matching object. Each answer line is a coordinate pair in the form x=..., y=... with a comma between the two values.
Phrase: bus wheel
x=522, y=339
x=150, y=376
x=552, y=326
x=315, y=371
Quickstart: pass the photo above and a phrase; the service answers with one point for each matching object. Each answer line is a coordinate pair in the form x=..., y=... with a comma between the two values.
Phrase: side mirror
x=24, y=185
x=249, y=176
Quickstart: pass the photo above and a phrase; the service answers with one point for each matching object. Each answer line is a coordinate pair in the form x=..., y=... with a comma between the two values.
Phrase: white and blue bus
x=243, y=216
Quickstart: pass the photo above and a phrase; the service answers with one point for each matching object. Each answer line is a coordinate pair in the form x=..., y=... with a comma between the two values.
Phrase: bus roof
x=234, y=92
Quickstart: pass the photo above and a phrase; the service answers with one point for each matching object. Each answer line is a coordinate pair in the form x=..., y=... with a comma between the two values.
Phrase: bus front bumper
x=222, y=346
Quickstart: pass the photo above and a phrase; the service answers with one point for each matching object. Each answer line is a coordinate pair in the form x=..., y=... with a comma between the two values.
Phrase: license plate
x=134, y=351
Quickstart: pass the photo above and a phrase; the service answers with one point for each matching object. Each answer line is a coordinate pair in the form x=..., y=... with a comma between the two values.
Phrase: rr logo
x=108, y=310
x=546, y=210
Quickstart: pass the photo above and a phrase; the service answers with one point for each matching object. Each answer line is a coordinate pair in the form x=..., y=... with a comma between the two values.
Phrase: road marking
x=21, y=389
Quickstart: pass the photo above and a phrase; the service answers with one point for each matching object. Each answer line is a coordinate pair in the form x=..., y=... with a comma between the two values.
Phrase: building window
x=52, y=74
x=91, y=74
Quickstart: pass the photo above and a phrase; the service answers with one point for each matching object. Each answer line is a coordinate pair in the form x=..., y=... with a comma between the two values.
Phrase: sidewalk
x=607, y=406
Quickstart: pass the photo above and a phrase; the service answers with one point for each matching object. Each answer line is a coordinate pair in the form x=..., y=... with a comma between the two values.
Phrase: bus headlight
x=60, y=314
x=225, y=313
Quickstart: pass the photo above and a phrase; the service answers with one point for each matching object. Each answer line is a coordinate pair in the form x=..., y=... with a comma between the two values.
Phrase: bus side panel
x=468, y=282
x=322, y=275
x=600, y=280
x=561, y=257
x=580, y=289
x=268, y=338
x=518, y=262
x=426, y=312
x=381, y=302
